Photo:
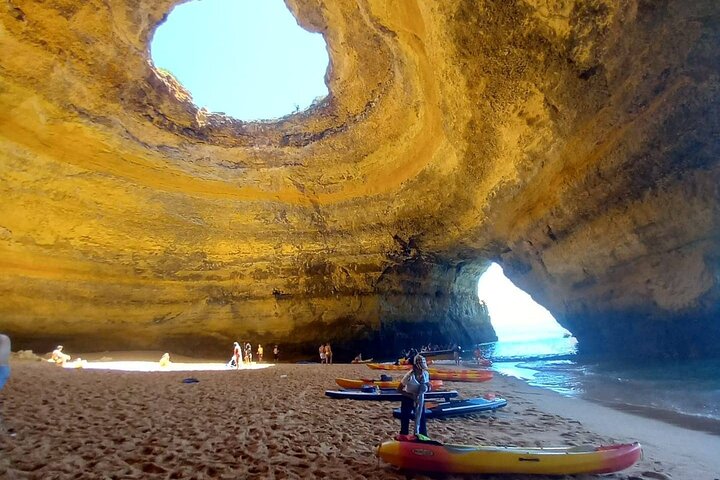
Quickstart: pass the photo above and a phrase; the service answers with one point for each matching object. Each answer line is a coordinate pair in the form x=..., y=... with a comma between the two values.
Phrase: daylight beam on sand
x=146, y=366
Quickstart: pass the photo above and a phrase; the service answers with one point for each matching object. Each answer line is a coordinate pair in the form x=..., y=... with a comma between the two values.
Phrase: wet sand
x=276, y=423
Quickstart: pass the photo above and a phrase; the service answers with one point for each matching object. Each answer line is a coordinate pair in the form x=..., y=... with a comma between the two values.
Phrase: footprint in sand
x=655, y=475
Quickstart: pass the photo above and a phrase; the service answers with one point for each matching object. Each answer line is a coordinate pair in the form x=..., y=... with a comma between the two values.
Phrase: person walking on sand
x=259, y=353
x=276, y=354
x=328, y=353
x=457, y=352
x=321, y=351
x=413, y=387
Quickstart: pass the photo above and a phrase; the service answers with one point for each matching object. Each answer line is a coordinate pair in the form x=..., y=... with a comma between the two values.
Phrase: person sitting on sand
x=259, y=353
x=328, y=353
x=358, y=358
x=58, y=356
x=165, y=360
x=413, y=386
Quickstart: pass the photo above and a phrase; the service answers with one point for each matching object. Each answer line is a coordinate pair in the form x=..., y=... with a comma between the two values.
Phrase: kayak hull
x=360, y=382
x=388, y=366
x=436, y=457
x=455, y=408
x=464, y=375
x=461, y=375
x=388, y=395
x=369, y=360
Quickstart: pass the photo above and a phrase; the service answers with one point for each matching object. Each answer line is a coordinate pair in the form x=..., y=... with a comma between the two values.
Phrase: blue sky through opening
x=247, y=58
x=514, y=314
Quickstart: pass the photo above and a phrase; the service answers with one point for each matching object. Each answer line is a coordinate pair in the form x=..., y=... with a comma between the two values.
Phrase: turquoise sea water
x=685, y=393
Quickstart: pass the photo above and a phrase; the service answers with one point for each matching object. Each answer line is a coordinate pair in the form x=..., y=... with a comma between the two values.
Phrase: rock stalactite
x=575, y=143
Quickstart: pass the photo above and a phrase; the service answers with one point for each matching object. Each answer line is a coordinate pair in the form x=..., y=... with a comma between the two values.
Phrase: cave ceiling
x=574, y=142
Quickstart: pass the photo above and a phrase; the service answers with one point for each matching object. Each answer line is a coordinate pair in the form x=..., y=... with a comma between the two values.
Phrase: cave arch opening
x=514, y=315
x=247, y=59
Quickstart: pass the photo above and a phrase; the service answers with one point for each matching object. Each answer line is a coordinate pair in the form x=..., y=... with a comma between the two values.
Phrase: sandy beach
x=276, y=423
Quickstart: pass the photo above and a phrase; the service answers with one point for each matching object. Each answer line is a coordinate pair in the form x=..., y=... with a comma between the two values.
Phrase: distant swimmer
x=58, y=356
x=165, y=360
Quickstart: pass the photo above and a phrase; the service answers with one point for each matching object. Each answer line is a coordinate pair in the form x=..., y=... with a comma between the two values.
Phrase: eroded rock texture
x=574, y=142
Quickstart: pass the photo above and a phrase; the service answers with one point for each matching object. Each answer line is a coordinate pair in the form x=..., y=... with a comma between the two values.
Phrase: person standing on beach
x=413, y=387
x=4, y=359
x=260, y=352
x=276, y=354
x=457, y=351
x=4, y=365
x=248, y=352
x=321, y=351
x=328, y=353
x=237, y=355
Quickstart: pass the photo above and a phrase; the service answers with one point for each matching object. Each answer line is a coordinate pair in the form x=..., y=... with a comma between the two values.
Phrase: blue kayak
x=389, y=395
x=460, y=407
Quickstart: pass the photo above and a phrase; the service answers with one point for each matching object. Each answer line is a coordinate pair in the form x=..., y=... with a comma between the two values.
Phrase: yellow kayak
x=431, y=456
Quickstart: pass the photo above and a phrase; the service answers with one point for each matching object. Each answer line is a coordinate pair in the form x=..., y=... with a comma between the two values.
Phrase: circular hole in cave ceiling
x=248, y=59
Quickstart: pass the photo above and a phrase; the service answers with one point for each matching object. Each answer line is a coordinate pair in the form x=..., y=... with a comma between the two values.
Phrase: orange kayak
x=465, y=371
x=460, y=375
x=360, y=382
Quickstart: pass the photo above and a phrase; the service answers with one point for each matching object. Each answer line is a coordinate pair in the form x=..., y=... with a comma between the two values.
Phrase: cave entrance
x=515, y=316
x=247, y=59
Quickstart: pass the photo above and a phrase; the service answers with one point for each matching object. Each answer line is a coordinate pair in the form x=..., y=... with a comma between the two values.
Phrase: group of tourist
x=243, y=354
x=326, y=353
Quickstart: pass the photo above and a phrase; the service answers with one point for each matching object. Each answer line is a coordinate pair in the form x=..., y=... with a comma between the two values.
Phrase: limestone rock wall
x=574, y=142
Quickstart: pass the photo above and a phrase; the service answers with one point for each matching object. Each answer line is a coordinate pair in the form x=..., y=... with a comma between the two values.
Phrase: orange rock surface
x=575, y=143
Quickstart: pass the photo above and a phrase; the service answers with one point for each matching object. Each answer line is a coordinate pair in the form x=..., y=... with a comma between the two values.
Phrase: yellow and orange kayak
x=360, y=382
x=388, y=366
x=435, y=457
x=460, y=376
x=463, y=375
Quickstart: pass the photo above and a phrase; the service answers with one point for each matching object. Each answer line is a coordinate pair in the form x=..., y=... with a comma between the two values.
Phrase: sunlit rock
x=576, y=143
